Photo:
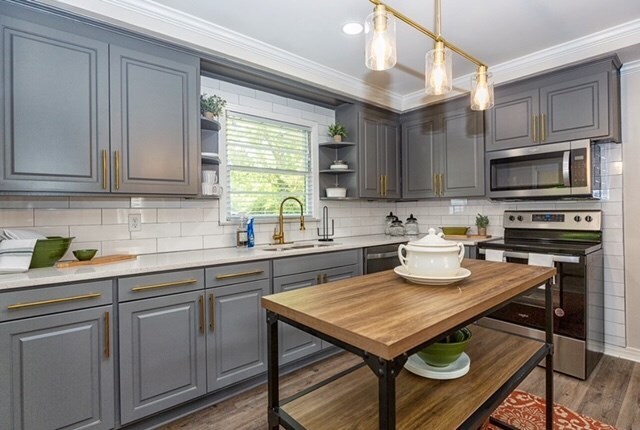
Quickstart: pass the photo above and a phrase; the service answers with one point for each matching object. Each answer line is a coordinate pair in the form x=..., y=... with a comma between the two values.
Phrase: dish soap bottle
x=251, y=237
x=241, y=233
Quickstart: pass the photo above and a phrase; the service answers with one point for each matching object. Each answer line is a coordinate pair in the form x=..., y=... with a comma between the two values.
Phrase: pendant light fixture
x=380, y=34
x=381, y=54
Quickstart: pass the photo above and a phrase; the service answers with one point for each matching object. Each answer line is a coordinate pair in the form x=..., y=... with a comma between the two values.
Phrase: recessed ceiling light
x=352, y=28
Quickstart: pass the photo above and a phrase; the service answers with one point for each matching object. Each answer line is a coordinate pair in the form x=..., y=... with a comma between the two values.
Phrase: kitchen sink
x=290, y=247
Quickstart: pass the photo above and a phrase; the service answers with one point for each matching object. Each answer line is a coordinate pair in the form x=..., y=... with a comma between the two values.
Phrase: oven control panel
x=587, y=220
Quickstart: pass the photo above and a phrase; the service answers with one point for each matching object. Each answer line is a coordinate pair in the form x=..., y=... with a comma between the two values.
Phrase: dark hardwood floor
x=611, y=395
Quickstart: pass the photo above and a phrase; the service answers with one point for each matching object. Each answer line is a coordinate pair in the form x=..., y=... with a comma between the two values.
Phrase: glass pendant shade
x=380, y=34
x=482, y=90
x=438, y=71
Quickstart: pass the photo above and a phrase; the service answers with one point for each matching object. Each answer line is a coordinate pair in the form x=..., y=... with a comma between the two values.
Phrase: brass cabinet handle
x=105, y=169
x=381, y=185
x=107, y=334
x=164, y=285
x=212, y=316
x=201, y=303
x=544, y=128
x=117, y=170
x=441, y=184
x=237, y=275
x=54, y=301
x=535, y=128
x=435, y=184
x=385, y=185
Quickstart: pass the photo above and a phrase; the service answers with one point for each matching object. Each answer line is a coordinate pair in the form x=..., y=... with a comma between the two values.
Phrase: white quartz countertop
x=188, y=259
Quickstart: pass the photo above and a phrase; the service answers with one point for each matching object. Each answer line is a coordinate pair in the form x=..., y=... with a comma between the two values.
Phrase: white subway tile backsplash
x=99, y=202
x=58, y=230
x=14, y=202
x=16, y=218
x=237, y=89
x=180, y=215
x=224, y=241
x=301, y=106
x=253, y=102
x=172, y=244
x=316, y=117
x=131, y=247
x=198, y=228
x=149, y=231
x=155, y=202
x=87, y=233
x=45, y=217
x=121, y=216
x=286, y=110
x=268, y=97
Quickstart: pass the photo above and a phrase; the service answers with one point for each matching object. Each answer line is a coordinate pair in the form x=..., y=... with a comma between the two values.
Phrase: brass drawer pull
x=201, y=303
x=105, y=171
x=240, y=274
x=535, y=128
x=212, y=321
x=107, y=335
x=54, y=301
x=543, y=126
x=435, y=185
x=381, y=185
x=117, y=170
x=441, y=184
x=164, y=285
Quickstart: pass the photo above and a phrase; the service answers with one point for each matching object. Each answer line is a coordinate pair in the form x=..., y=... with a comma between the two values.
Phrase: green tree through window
x=267, y=160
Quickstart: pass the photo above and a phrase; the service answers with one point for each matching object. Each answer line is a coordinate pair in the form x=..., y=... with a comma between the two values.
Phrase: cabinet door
x=54, y=111
x=419, y=162
x=336, y=274
x=162, y=353
x=575, y=109
x=390, y=159
x=57, y=372
x=154, y=122
x=511, y=122
x=462, y=153
x=293, y=343
x=236, y=340
x=369, y=149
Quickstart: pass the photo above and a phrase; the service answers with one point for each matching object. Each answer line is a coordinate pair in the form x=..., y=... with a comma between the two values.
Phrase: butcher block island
x=384, y=319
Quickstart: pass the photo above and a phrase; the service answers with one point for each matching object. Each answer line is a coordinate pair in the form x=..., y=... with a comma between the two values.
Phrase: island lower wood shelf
x=422, y=402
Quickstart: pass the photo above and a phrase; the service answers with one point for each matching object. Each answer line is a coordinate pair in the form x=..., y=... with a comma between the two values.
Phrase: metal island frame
x=384, y=319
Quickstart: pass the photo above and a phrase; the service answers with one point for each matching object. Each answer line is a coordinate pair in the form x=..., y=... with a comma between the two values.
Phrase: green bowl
x=85, y=254
x=48, y=251
x=441, y=354
x=454, y=230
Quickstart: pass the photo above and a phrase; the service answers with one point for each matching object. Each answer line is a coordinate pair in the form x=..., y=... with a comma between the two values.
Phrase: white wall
x=174, y=224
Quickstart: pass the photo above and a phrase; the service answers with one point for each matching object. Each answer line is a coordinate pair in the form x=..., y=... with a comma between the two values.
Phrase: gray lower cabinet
x=236, y=333
x=580, y=102
x=57, y=371
x=305, y=271
x=162, y=327
x=443, y=152
x=55, y=109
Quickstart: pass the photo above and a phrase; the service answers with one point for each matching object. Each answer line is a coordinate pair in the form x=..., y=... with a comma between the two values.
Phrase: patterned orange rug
x=526, y=411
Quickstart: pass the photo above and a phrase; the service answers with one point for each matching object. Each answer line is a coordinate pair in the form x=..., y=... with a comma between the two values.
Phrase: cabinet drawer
x=236, y=273
x=159, y=284
x=308, y=263
x=59, y=298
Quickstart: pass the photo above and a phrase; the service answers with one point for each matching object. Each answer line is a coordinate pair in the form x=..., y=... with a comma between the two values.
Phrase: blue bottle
x=251, y=237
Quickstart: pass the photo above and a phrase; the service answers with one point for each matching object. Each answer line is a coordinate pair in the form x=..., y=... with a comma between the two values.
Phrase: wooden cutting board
x=466, y=237
x=106, y=259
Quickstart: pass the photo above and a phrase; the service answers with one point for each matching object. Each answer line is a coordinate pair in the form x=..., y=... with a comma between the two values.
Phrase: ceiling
x=303, y=39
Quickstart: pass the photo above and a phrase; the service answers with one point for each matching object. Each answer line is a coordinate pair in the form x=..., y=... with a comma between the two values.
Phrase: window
x=267, y=160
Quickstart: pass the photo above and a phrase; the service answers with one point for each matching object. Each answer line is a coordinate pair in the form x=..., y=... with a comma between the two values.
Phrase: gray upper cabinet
x=236, y=339
x=377, y=135
x=55, y=109
x=154, y=122
x=443, y=152
x=579, y=102
x=92, y=111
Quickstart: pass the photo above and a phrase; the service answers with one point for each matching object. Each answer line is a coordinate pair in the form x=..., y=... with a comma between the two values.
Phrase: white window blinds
x=267, y=160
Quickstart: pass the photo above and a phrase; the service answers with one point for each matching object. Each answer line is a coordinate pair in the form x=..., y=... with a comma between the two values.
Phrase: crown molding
x=175, y=26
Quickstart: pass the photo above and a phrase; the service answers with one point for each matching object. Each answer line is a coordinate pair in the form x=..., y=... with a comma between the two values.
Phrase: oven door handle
x=382, y=255
x=566, y=172
x=525, y=256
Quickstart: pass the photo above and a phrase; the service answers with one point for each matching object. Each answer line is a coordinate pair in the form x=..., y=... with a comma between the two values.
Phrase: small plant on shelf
x=337, y=131
x=482, y=221
x=211, y=107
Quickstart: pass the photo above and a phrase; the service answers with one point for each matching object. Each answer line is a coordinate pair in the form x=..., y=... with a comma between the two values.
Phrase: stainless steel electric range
x=572, y=242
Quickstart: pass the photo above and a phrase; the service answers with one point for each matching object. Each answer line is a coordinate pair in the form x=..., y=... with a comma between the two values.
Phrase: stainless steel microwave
x=559, y=170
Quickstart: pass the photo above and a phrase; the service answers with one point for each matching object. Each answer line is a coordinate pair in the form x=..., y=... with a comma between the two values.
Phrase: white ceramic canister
x=432, y=256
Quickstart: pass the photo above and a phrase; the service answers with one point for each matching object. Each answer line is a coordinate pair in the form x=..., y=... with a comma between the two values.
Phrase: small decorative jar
x=411, y=226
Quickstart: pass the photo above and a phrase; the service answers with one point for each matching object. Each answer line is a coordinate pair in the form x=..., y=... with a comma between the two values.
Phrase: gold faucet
x=279, y=237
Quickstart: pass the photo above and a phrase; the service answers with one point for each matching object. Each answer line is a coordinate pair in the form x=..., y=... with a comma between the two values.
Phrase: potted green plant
x=337, y=131
x=211, y=107
x=482, y=221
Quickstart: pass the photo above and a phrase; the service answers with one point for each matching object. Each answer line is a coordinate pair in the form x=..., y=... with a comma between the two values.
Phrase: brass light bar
x=429, y=33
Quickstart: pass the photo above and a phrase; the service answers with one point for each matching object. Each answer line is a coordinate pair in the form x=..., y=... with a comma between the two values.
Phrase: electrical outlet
x=135, y=222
